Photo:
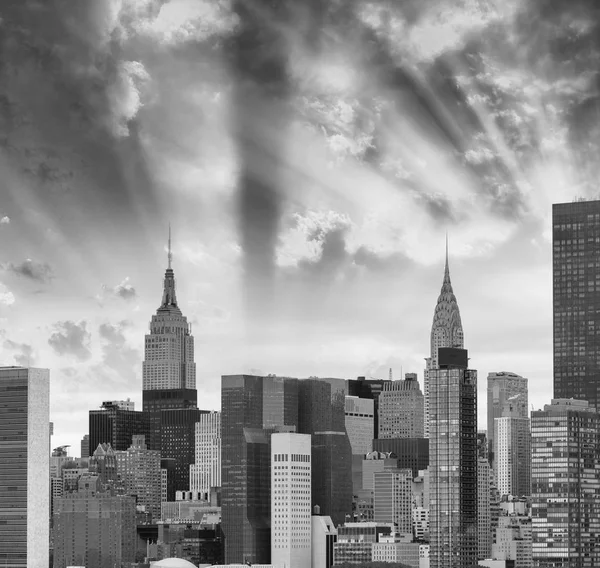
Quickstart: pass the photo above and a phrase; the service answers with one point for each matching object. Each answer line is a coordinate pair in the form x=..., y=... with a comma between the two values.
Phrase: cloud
x=24, y=356
x=70, y=338
x=5, y=220
x=37, y=271
x=124, y=290
x=7, y=298
x=116, y=353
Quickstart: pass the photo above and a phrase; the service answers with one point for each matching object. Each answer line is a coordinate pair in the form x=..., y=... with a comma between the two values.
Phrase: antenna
x=390, y=373
x=170, y=255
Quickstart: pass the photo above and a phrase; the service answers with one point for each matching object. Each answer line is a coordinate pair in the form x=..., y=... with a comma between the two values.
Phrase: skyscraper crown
x=446, y=330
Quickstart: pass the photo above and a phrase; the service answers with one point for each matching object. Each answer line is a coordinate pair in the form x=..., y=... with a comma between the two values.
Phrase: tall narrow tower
x=446, y=331
x=452, y=418
x=169, y=371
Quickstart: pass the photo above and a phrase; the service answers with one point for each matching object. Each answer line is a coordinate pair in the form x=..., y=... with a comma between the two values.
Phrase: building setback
x=565, y=483
x=24, y=467
x=576, y=300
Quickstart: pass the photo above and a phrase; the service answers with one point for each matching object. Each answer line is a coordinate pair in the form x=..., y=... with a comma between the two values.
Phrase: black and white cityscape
x=299, y=284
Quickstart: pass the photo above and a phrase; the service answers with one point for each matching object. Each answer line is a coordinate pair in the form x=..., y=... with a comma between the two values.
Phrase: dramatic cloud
x=116, y=353
x=124, y=290
x=24, y=355
x=7, y=298
x=37, y=271
x=70, y=338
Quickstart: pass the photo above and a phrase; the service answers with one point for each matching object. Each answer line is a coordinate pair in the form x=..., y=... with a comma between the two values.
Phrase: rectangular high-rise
x=576, y=300
x=401, y=409
x=565, y=483
x=24, y=467
x=205, y=472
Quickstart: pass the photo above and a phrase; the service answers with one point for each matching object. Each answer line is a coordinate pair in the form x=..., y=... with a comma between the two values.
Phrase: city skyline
x=473, y=135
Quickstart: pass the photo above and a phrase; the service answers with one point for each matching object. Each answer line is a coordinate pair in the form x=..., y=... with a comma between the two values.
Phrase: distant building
x=24, y=466
x=355, y=541
x=411, y=453
x=484, y=515
x=323, y=537
x=360, y=423
x=115, y=426
x=205, y=472
x=513, y=540
x=565, y=509
x=94, y=529
x=139, y=469
x=502, y=386
x=290, y=500
x=85, y=446
x=122, y=404
x=392, y=491
x=576, y=300
x=401, y=410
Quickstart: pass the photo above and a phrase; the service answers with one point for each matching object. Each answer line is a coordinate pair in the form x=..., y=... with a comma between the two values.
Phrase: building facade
x=484, y=516
x=392, y=499
x=24, y=466
x=94, y=528
x=360, y=423
x=565, y=483
x=411, y=453
x=115, y=426
x=401, y=410
x=323, y=537
x=512, y=463
x=452, y=394
x=502, y=386
x=290, y=500
x=576, y=300
x=205, y=472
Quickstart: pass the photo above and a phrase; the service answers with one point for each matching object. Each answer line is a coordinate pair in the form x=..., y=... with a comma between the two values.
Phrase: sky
x=310, y=159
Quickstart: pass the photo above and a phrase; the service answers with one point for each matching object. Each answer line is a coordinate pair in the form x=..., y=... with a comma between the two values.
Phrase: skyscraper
x=501, y=387
x=576, y=300
x=446, y=331
x=205, y=472
x=290, y=500
x=116, y=426
x=565, y=485
x=392, y=498
x=452, y=393
x=169, y=371
x=360, y=423
x=401, y=409
x=24, y=467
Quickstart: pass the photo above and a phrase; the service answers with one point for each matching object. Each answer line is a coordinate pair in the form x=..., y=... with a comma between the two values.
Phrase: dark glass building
x=412, y=453
x=115, y=426
x=576, y=300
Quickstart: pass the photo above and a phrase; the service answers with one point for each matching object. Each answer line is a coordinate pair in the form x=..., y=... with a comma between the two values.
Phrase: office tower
x=323, y=537
x=452, y=389
x=576, y=300
x=252, y=409
x=392, y=498
x=24, y=466
x=290, y=500
x=360, y=423
x=85, y=446
x=411, y=453
x=401, y=409
x=205, y=472
x=169, y=371
x=115, y=426
x=565, y=483
x=446, y=331
x=501, y=387
x=370, y=389
x=103, y=463
x=139, y=469
x=484, y=516
x=94, y=528
x=512, y=463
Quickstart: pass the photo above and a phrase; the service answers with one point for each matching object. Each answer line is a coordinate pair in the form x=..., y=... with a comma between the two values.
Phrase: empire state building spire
x=169, y=299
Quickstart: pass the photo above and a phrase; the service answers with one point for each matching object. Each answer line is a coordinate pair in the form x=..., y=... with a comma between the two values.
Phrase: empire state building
x=169, y=371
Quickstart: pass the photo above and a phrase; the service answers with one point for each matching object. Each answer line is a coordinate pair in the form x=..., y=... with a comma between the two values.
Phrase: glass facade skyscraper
x=565, y=485
x=576, y=300
x=452, y=416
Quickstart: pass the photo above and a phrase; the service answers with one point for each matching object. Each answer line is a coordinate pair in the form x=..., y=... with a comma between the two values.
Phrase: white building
x=206, y=471
x=512, y=457
x=360, y=423
x=291, y=500
x=323, y=537
x=420, y=518
x=24, y=466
